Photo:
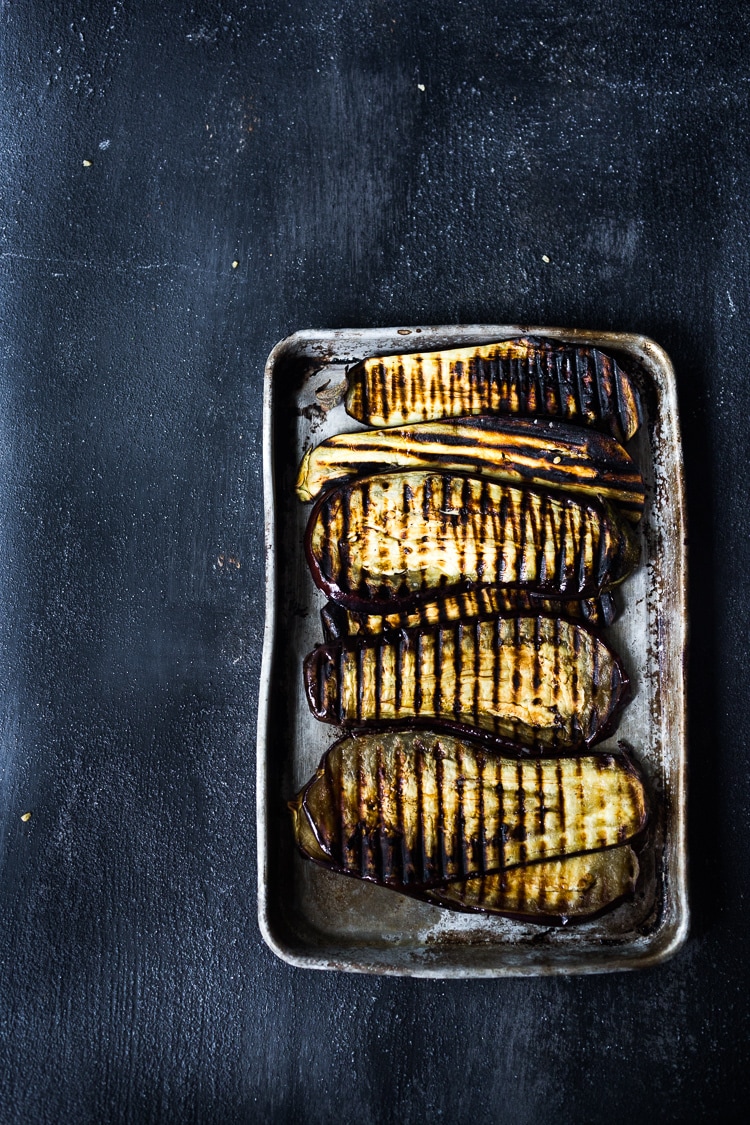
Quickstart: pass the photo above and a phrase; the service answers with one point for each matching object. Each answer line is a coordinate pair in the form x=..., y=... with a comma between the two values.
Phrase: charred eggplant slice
x=522, y=376
x=418, y=809
x=339, y=622
x=522, y=451
x=403, y=537
x=541, y=682
x=572, y=888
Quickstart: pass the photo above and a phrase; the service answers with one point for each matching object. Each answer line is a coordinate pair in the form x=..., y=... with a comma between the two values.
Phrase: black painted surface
x=296, y=140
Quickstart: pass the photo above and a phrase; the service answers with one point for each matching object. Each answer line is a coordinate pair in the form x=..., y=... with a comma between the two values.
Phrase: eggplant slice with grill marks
x=416, y=810
x=339, y=622
x=386, y=542
x=521, y=451
x=573, y=888
x=521, y=376
x=543, y=683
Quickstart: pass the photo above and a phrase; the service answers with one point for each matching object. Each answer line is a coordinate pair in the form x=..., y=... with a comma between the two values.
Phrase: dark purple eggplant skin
x=330, y=650
x=389, y=604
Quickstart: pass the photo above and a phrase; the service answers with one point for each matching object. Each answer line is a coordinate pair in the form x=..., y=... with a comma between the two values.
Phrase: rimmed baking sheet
x=316, y=919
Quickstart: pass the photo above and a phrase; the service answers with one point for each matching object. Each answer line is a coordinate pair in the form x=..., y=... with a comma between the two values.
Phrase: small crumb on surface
x=420, y=87
x=87, y=163
x=545, y=258
x=235, y=263
x=404, y=331
x=26, y=817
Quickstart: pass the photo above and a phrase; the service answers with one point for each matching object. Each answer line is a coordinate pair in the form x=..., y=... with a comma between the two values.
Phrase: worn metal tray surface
x=313, y=918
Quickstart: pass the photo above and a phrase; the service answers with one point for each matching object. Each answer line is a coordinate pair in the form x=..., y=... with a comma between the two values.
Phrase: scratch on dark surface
x=108, y=267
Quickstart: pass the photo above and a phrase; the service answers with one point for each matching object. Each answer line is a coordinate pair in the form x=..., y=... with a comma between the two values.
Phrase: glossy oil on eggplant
x=546, y=378
x=540, y=682
x=418, y=809
x=521, y=451
x=387, y=541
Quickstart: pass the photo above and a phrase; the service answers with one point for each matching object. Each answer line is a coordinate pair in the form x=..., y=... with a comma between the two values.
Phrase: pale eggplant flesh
x=539, y=682
x=521, y=451
x=419, y=809
x=386, y=542
x=339, y=622
x=522, y=376
x=569, y=889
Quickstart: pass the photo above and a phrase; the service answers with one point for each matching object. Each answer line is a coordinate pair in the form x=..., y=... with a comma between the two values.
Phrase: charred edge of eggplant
x=311, y=675
x=630, y=549
x=622, y=696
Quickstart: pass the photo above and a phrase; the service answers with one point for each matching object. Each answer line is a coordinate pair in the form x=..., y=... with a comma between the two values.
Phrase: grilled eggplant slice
x=549, y=455
x=541, y=682
x=418, y=809
x=522, y=376
x=339, y=622
x=571, y=888
x=386, y=542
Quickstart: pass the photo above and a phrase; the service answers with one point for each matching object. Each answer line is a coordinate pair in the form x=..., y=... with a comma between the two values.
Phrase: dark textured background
x=294, y=138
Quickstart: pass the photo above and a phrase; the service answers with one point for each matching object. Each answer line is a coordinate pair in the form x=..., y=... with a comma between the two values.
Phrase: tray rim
x=673, y=935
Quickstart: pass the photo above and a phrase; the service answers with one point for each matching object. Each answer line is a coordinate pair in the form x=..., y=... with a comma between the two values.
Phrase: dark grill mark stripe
x=542, y=806
x=497, y=644
x=398, y=663
x=442, y=852
x=500, y=827
x=482, y=821
x=603, y=407
x=418, y=663
x=458, y=636
x=421, y=843
x=359, y=669
x=563, y=812
x=580, y=377
x=338, y=701
x=521, y=830
x=379, y=655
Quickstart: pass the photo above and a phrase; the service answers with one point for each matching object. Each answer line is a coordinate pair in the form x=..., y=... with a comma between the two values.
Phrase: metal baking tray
x=316, y=919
